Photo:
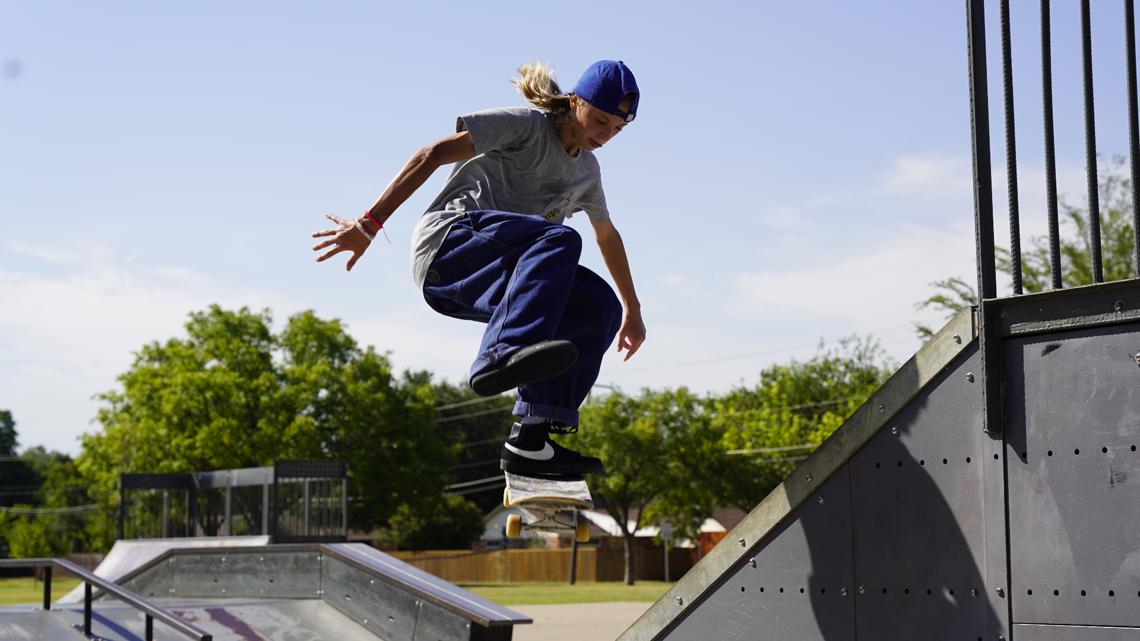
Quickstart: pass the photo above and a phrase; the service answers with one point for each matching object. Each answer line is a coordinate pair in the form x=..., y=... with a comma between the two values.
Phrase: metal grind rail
x=150, y=610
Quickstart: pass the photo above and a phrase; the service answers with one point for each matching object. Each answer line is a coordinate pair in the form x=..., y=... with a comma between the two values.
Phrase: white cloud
x=65, y=337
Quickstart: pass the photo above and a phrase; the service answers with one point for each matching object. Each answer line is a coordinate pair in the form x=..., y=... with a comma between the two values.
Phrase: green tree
x=632, y=444
x=775, y=424
x=231, y=394
x=696, y=467
x=8, y=438
x=449, y=523
x=29, y=537
x=475, y=426
x=1075, y=243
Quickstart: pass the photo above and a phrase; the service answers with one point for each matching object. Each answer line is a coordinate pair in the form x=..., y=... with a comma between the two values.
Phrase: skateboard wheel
x=514, y=525
x=506, y=501
x=582, y=531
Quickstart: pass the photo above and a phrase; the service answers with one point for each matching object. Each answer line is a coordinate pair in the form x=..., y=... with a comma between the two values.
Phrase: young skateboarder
x=492, y=248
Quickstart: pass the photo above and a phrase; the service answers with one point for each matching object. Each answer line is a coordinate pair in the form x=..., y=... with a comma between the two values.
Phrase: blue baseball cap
x=605, y=84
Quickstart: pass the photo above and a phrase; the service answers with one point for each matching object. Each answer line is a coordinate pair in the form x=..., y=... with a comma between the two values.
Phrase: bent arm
x=613, y=252
x=454, y=148
x=632, y=332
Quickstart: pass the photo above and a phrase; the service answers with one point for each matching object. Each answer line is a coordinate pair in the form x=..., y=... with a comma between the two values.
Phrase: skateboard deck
x=540, y=500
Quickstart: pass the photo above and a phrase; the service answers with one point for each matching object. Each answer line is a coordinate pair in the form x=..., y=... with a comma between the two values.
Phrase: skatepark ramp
x=990, y=489
x=924, y=518
x=287, y=592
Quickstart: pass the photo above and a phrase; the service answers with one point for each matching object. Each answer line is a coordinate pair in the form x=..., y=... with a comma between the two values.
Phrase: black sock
x=528, y=434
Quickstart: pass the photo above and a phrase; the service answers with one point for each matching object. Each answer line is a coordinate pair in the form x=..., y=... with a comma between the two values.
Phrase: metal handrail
x=151, y=610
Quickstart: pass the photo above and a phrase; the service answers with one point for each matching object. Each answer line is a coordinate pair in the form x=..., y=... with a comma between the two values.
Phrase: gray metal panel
x=386, y=610
x=262, y=573
x=431, y=589
x=228, y=620
x=799, y=588
x=919, y=522
x=1074, y=476
x=437, y=624
x=1076, y=307
x=1073, y=633
x=930, y=361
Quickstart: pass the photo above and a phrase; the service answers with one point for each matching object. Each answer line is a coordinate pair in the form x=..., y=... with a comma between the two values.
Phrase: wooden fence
x=605, y=563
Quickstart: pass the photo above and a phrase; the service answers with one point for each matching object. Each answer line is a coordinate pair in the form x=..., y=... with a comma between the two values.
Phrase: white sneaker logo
x=545, y=454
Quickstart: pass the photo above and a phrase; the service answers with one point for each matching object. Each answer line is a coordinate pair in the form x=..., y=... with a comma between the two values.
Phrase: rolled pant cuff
x=563, y=415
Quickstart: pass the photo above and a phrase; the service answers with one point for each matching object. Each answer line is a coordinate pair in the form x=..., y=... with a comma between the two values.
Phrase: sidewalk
x=594, y=621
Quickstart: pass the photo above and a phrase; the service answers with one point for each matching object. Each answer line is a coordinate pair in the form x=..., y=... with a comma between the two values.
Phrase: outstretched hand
x=631, y=335
x=346, y=236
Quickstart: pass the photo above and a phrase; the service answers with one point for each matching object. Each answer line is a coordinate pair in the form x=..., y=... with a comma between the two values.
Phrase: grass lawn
x=28, y=590
x=548, y=593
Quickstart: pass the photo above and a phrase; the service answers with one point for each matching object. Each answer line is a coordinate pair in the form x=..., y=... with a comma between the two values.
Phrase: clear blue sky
x=798, y=172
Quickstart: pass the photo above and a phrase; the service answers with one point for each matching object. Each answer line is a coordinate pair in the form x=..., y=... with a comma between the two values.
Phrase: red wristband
x=370, y=218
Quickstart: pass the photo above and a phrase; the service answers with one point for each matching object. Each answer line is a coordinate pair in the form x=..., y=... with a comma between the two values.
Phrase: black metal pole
x=1050, y=155
x=574, y=550
x=87, y=609
x=47, y=588
x=1010, y=152
x=980, y=127
x=149, y=628
x=1133, y=129
x=1090, y=144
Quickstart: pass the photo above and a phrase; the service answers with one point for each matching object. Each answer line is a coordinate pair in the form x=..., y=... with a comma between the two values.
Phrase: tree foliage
x=448, y=523
x=791, y=410
x=232, y=394
x=1118, y=250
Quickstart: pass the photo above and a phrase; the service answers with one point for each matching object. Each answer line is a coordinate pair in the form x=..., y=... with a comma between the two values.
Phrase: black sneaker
x=544, y=457
x=537, y=362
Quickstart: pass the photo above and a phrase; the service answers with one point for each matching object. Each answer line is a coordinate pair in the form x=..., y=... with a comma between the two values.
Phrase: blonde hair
x=536, y=84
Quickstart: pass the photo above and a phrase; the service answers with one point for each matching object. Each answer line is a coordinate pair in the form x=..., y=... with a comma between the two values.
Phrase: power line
x=49, y=510
x=767, y=450
x=497, y=410
x=483, y=481
x=474, y=401
x=790, y=459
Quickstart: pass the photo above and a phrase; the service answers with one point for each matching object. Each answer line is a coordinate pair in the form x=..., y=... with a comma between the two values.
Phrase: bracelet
x=364, y=230
x=372, y=219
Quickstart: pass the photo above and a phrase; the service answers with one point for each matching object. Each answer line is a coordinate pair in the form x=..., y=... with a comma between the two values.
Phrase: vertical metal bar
x=87, y=609
x=1010, y=152
x=149, y=628
x=1133, y=129
x=344, y=508
x=574, y=550
x=306, y=527
x=265, y=508
x=47, y=588
x=122, y=510
x=229, y=510
x=165, y=514
x=1090, y=144
x=980, y=127
x=1050, y=154
x=192, y=527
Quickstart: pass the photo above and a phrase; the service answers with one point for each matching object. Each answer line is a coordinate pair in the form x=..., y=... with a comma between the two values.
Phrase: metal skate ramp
x=127, y=556
x=929, y=515
x=314, y=592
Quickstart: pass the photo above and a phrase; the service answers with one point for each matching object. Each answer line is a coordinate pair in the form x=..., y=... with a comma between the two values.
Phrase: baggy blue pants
x=520, y=275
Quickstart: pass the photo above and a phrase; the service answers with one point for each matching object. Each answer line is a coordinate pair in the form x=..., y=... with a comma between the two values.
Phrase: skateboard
x=542, y=499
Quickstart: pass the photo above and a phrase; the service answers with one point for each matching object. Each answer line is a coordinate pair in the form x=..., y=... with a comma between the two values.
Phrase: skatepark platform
x=290, y=592
x=945, y=508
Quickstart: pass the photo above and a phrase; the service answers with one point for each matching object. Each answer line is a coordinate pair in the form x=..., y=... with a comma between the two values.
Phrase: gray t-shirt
x=520, y=167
